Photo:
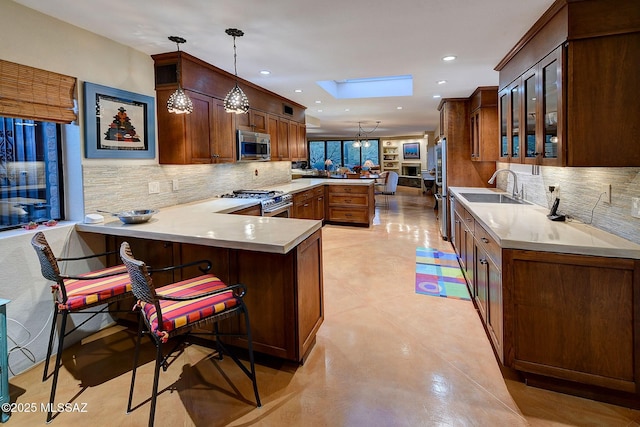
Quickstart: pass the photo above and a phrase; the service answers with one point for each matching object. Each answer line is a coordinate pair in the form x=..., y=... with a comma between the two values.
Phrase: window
x=30, y=172
x=342, y=153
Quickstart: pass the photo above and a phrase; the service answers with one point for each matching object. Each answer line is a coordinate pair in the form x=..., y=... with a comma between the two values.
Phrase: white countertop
x=526, y=226
x=207, y=222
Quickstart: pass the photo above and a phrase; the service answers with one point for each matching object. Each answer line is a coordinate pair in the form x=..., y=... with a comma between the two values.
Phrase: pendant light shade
x=179, y=102
x=236, y=101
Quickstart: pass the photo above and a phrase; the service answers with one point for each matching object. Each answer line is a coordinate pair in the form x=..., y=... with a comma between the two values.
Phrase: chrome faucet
x=515, y=194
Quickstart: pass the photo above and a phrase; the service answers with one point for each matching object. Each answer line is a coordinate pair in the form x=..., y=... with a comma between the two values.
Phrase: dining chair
x=78, y=293
x=175, y=310
x=380, y=185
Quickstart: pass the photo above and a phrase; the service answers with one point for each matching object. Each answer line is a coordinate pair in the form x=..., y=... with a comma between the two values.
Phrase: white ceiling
x=304, y=41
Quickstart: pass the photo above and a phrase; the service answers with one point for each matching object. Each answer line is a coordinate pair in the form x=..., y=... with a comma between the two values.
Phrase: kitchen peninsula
x=278, y=259
x=560, y=301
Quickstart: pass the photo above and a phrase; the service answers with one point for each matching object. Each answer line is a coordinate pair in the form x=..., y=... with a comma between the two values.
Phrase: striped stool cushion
x=176, y=314
x=84, y=293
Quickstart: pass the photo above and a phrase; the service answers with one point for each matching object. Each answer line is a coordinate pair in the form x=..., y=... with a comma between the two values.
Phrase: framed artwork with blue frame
x=411, y=150
x=118, y=124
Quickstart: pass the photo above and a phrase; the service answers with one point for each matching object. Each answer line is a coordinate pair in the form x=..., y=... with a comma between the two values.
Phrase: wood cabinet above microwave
x=207, y=135
x=568, y=89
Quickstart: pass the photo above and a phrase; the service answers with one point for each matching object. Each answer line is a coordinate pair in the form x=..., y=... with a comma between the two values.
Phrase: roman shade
x=31, y=93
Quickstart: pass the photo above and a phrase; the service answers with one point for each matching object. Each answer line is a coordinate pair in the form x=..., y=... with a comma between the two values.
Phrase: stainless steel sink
x=491, y=198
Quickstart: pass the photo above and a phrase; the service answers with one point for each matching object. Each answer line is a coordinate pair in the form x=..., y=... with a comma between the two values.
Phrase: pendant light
x=362, y=138
x=179, y=102
x=236, y=101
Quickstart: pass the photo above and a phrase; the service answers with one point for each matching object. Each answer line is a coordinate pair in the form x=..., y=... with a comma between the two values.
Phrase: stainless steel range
x=272, y=202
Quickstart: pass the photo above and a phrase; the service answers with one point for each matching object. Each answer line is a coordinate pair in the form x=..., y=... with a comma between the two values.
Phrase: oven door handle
x=278, y=210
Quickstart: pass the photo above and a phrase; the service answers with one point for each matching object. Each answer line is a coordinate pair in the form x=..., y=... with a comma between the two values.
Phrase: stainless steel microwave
x=253, y=146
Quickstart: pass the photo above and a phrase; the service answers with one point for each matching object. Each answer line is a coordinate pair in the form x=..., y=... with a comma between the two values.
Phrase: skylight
x=371, y=87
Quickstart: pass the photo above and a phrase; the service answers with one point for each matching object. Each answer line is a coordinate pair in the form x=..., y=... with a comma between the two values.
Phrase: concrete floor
x=385, y=356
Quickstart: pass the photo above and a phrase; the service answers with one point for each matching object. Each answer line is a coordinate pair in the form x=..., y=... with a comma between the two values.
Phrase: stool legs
x=56, y=368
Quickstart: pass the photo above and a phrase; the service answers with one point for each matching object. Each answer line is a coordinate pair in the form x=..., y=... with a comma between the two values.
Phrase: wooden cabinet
x=254, y=121
x=350, y=204
x=488, y=278
x=283, y=140
x=303, y=207
x=319, y=204
x=284, y=296
x=303, y=151
x=536, y=93
x=208, y=134
x=565, y=322
x=483, y=124
x=575, y=318
x=585, y=108
x=294, y=134
x=309, y=204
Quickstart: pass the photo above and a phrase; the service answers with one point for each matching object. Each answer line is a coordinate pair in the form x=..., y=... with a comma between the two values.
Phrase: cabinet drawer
x=349, y=189
x=339, y=214
x=348, y=199
x=468, y=221
x=490, y=245
x=302, y=196
x=460, y=210
x=318, y=191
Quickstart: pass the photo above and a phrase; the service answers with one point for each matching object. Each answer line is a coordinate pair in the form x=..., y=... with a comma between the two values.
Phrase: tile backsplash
x=127, y=187
x=581, y=194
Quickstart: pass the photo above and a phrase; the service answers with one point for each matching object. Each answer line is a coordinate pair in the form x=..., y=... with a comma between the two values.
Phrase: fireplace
x=411, y=169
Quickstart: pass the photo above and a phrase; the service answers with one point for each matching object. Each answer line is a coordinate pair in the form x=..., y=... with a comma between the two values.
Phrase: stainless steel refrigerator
x=441, y=185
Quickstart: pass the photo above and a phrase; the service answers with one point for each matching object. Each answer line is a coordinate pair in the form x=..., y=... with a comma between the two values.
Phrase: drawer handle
x=347, y=200
x=484, y=240
x=483, y=261
x=348, y=214
x=469, y=219
x=305, y=205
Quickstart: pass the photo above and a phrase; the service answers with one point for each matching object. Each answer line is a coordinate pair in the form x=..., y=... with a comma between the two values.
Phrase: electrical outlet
x=255, y=174
x=606, y=193
x=175, y=185
x=635, y=207
x=154, y=187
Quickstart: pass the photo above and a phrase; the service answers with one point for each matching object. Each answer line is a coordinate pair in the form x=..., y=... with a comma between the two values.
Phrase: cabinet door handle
x=484, y=240
x=483, y=261
x=305, y=205
x=469, y=219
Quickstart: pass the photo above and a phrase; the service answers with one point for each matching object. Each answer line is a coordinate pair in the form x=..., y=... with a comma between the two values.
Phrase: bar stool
x=76, y=293
x=176, y=309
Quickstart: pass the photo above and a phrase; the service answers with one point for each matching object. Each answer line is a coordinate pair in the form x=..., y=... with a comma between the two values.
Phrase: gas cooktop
x=253, y=194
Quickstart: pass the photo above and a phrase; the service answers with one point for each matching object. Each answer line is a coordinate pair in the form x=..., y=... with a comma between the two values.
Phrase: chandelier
x=362, y=138
x=235, y=101
x=179, y=102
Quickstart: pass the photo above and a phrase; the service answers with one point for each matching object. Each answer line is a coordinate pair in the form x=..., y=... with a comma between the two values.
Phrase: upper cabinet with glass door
x=568, y=93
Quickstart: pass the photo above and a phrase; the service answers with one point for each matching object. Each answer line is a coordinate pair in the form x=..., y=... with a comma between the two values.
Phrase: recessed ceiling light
x=318, y=102
x=319, y=111
x=265, y=72
x=398, y=108
x=298, y=90
x=441, y=82
x=346, y=109
x=437, y=96
x=449, y=58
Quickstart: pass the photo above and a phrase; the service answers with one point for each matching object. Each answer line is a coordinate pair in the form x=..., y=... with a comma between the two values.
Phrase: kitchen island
x=560, y=301
x=278, y=259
